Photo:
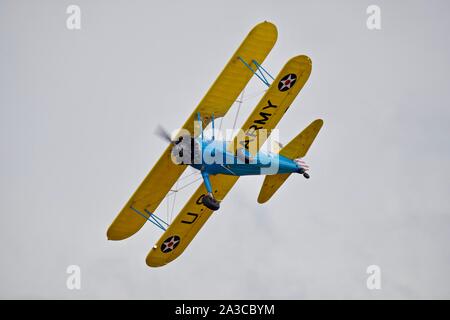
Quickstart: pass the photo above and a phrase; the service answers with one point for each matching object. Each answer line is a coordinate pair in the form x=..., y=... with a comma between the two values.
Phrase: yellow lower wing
x=275, y=102
x=188, y=222
x=217, y=101
x=270, y=185
x=194, y=214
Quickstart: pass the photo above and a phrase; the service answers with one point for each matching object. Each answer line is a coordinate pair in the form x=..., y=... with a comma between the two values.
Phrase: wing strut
x=153, y=218
x=260, y=72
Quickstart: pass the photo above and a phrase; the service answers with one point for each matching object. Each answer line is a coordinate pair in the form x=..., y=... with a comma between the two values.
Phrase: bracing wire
x=239, y=109
x=167, y=209
x=253, y=95
x=173, y=204
x=229, y=170
x=220, y=126
x=240, y=101
x=174, y=191
x=188, y=175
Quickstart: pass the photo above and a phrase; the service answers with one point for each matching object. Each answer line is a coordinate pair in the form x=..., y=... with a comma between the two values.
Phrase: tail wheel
x=306, y=175
x=211, y=203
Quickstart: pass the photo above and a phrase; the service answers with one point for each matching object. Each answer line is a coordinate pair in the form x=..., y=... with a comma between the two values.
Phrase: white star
x=287, y=83
x=170, y=244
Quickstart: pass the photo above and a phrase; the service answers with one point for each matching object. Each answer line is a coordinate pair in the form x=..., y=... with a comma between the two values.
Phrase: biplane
x=221, y=162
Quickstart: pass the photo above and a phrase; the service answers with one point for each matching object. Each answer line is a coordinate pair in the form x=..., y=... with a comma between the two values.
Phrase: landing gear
x=208, y=199
x=211, y=203
x=306, y=175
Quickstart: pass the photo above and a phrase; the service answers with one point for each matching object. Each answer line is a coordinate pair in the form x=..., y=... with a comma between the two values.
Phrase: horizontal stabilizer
x=297, y=148
x=271, y=185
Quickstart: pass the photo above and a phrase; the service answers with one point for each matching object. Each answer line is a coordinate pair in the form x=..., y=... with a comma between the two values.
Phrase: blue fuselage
x=216, y=159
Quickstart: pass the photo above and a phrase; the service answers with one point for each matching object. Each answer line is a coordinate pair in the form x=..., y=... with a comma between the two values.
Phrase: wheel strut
x=208, y=199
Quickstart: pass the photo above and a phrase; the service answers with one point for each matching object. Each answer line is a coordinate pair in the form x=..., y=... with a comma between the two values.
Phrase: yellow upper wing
x=217, y=101
x=147, y=197
x=235, y=76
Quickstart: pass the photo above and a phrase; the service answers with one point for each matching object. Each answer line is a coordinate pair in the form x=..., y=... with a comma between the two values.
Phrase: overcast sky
x=78, y=112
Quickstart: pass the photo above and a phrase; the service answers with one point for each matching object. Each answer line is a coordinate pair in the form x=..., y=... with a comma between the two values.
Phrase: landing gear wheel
x=306, y=175
x=211, y=203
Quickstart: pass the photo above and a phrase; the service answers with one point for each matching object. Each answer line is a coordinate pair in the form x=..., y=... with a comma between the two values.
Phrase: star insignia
x=170, y=243
x=287, y=82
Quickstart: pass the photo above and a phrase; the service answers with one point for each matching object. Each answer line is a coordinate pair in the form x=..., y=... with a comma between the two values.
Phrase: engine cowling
x=186, y=150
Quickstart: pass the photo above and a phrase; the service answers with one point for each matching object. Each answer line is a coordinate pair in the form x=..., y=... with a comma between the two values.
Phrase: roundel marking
x=170, y=243
x=287, y=82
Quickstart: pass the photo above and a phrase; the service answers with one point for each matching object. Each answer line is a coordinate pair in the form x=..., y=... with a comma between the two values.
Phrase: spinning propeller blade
x=164, y=134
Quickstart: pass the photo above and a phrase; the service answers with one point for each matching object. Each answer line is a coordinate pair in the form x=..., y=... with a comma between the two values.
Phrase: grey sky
x=78, y=112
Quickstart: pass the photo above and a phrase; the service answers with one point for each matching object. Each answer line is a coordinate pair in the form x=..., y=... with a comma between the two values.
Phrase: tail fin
x=297, y=148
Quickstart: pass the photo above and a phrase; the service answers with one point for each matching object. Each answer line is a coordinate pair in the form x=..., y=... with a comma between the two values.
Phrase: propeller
x=164, y=134
x=181, y=145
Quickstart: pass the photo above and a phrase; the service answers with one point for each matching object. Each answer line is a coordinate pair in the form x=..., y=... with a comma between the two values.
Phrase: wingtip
x=318, y=122
x=261, y=199
x=268, y=25
x=154, y=263
x=113, y=236
x=306, y=59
